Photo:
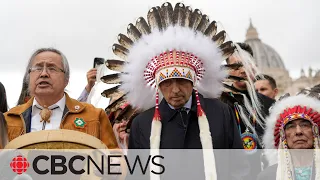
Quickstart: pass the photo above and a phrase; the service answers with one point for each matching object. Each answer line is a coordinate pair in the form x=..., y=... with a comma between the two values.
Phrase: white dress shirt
x=55, y=118
x=83, y=96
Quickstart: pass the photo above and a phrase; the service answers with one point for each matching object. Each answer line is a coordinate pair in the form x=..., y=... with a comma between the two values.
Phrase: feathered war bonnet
x=285, y=110
x=250, y=110
x=172, y=43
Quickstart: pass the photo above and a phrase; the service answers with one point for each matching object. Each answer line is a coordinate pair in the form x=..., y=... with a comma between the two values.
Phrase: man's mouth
x=176, y=98
x=300, y=141
x=43, y=84
x=244, y=76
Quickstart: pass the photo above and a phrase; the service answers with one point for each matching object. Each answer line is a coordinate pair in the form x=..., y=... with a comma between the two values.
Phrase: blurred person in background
x=266, y=85
x=91, y=79
x=24, y=94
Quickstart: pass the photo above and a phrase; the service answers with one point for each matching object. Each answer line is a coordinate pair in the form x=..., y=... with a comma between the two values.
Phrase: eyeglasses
x=49, y=69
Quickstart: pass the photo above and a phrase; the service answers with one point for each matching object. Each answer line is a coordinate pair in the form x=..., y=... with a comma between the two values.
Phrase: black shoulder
x=145, y=113
x=227, y=98
x=143, y=116
x=265, y=100
x=214, y=102
x=224, y=97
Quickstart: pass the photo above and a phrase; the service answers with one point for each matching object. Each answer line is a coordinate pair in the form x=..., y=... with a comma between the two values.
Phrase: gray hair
x=65, y=63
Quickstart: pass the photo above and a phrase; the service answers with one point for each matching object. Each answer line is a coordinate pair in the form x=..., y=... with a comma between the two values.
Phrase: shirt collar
x=61, y=104
x=187, y=105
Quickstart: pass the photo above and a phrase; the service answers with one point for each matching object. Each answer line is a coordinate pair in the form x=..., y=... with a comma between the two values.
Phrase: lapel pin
x=79, y=123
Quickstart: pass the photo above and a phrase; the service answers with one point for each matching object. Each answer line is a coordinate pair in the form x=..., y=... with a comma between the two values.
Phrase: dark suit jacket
x=223, y=130
x=222, y=124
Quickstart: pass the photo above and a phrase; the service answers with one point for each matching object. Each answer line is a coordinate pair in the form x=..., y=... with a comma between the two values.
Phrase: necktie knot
x=183, y=109
x=184, y=116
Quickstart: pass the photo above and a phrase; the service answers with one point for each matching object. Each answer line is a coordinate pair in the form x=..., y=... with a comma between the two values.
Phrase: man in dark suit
x=180, y=128
x=180, y=125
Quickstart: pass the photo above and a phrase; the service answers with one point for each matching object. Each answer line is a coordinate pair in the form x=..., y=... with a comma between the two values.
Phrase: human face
x=176, y=91
x=47, y=79
x=264, y=87
x=239, y=72
x=299, y=134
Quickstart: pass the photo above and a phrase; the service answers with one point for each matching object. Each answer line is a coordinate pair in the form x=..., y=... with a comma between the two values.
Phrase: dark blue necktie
x=184, y=116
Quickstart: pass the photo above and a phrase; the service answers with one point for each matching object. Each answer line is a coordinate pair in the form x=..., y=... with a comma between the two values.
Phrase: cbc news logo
x=19, y=164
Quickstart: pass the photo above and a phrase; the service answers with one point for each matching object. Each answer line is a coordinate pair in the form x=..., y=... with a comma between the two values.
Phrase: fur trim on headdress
x=270, y=138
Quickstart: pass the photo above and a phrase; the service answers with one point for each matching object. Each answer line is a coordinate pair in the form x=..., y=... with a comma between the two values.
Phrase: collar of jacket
x=228, y=88
x=167, y=114
x=72, y=106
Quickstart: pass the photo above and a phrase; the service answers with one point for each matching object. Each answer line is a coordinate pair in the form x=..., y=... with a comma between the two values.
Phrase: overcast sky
x=84, y=29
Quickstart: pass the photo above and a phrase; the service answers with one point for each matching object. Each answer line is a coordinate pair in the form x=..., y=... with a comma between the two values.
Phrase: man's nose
x=242, y=71
x=44, y=72
x=298, y=130
x=175, y=87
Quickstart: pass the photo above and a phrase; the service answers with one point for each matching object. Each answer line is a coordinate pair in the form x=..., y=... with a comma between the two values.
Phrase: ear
x=276, y=91
x=66, y=82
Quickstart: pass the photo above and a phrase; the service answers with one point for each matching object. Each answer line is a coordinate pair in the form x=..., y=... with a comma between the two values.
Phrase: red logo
x=19, y=164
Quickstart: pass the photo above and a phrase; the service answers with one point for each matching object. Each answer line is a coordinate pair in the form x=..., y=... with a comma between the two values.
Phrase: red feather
x=309, y=111
x=295, y=108
x=299, y=109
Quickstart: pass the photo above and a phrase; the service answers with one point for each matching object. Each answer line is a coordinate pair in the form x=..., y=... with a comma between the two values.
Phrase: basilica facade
x=269, y=62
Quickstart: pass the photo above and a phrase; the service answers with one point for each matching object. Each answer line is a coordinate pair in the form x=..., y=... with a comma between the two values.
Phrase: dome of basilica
x=264, y=55
x=269, y=62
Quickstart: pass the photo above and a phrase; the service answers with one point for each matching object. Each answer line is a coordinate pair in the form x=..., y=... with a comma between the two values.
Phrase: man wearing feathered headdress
x=293, y=129
x=174, y=74
x=249, y=106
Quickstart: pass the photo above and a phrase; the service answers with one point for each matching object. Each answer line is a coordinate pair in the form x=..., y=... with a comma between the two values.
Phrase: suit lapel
x=166, y=113
x=27, y=118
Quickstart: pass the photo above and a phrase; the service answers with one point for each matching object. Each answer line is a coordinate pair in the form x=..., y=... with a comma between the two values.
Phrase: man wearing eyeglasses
x=250, y=107
x=51, y=108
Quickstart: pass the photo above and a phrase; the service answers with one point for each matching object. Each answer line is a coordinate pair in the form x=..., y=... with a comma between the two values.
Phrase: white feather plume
x=173, y=38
